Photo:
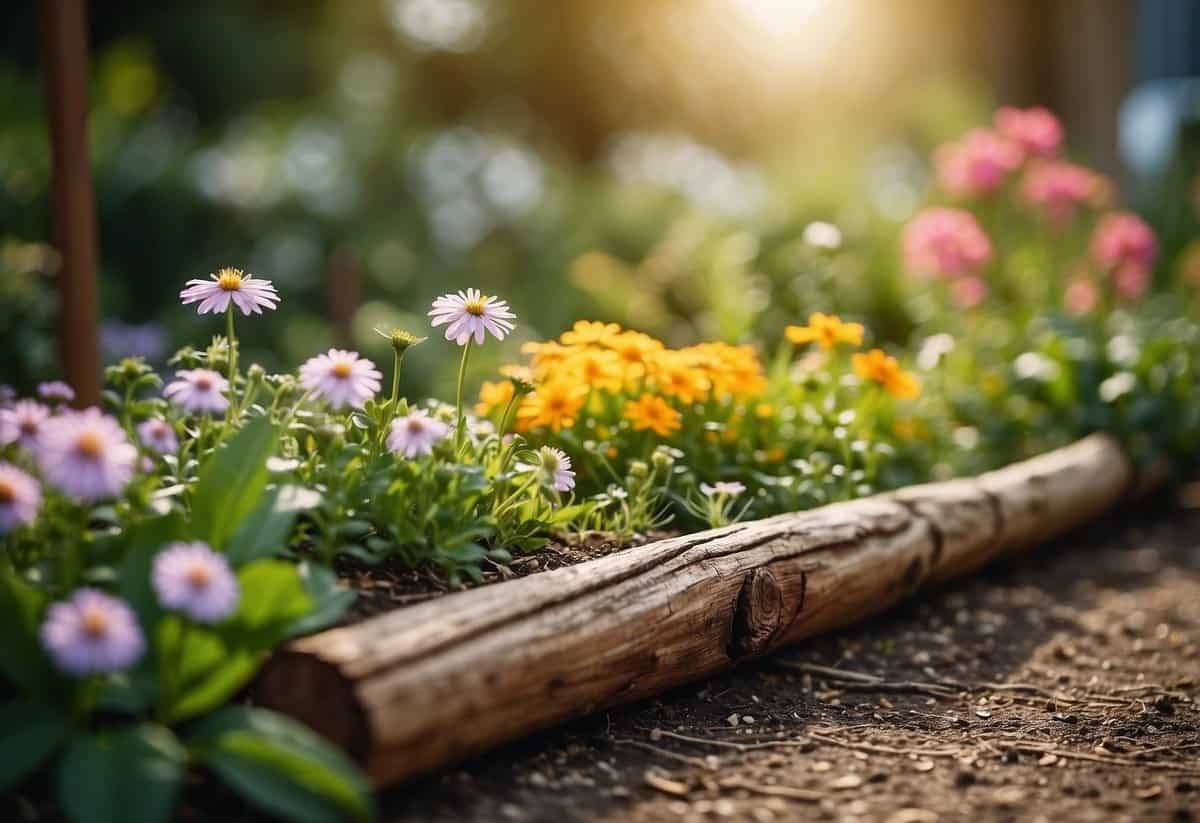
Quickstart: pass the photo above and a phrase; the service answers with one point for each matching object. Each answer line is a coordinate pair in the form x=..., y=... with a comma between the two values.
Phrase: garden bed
x=426, y=685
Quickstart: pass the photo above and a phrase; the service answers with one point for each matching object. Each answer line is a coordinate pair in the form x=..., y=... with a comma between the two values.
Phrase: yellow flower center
x=475, y=307
x=229, y=279
x=341, y=370
x=8, y=494
x=95, y=624
x=89, y=445
x=198, y=576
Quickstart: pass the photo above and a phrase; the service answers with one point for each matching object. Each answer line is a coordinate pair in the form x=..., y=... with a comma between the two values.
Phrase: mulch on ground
x=1062, y=687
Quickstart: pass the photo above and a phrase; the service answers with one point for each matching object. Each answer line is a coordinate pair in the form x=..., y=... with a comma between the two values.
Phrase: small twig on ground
x=698, y=762
x=789, y=792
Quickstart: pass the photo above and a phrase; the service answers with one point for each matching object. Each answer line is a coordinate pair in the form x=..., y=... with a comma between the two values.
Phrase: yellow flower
x=634, y=349
x=826, y=330
x=652, y=412
x=883, y=369
x=764, y=411
x=596, y=368
x=590, y=333
x=733, y=370
x=677, y=375
x=553, y=405
x=493, y=396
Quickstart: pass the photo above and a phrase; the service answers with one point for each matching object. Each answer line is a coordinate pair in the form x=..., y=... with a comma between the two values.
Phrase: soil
x=1061, y=687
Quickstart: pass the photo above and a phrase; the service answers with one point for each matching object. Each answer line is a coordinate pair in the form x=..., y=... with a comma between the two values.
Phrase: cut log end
x=317, y=693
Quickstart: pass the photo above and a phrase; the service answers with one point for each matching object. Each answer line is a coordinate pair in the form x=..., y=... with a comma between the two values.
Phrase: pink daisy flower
x=415, y=434
x=198, y=391
x=22, y=422
x=341, y=377
x=92, y=633
x=978, y=164
x=554, y=466
x=470, y=314
x=55, y=391
x=947, y=243
x=86, y=455
x=158, y=436
x=193, y=579
x=250, y=294
x=1035, y=130
x=20, y=498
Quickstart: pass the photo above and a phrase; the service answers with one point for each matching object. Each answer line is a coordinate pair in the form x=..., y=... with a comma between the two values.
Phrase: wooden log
x=428, y=685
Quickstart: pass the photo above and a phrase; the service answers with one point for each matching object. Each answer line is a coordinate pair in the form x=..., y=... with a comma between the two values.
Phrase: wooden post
x=65, y=65
x=345, y=292
x=424, y=686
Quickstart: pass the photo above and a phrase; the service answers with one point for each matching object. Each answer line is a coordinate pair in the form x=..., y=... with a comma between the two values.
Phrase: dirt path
x=1063, y=688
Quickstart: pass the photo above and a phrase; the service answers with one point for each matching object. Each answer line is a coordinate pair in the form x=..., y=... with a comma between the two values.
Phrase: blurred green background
x=654, y=162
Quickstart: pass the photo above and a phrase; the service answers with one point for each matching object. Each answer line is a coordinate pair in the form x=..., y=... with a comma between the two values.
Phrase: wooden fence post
x=65, y=65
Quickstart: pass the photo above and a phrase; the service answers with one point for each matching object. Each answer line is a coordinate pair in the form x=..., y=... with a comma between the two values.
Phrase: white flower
x=469, y=314
x=732, y=489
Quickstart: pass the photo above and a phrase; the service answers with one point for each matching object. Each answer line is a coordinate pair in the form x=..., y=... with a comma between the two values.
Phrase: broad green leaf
x=265, y=532
x=128, y=777
x=281, y=766
x=218, y=660
x=21, y=658
x=31, y=732
x=231, y=482
x=329, y=600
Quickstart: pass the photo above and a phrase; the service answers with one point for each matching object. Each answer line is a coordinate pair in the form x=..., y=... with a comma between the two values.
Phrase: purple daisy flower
x=20, y=498
x=55, y=391
x=158, y=436
x=341, y=377
x=470, y=314
x=554, y=466
x=86, y=455
x=22, y=423
x=415, y=434
x=250, y=294
x=193, y=579
x=92, y=633
x=198, y=391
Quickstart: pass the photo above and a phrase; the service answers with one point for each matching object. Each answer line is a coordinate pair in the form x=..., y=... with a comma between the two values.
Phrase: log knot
x=758, y=615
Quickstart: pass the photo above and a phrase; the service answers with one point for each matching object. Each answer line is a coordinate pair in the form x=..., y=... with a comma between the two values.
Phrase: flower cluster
x=1012, y=182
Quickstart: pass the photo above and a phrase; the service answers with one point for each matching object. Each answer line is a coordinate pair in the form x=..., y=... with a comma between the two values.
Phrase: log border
x=428, y=685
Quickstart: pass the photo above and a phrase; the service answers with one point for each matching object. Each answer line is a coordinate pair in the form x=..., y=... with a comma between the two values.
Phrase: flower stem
x=460, y=428
x=232, y=346
x=398, y=357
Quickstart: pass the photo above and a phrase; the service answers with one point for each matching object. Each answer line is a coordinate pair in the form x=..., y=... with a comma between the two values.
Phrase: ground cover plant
x=155, y=551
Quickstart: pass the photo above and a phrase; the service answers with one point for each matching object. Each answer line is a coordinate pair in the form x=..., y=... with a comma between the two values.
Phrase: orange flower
x=590, y=333
x=676, y=375
x=596, y=368
x=826, y=330
x=493, y=396
x=634, y=348
x=653, y=413
x=552, y=405
x=883, y=369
